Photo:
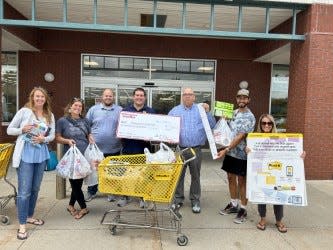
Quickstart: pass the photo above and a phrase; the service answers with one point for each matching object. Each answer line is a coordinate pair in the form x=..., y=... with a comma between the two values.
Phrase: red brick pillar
x=1, y=127
x=310, y=97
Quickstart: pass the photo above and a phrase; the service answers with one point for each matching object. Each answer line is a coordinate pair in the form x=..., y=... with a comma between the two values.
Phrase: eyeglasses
x=188, y=94
x=266, y=123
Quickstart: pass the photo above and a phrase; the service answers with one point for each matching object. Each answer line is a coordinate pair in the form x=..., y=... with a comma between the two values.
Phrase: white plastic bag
x=94, y=156
x=163, y=155
x=73, y=165
x=222, y=134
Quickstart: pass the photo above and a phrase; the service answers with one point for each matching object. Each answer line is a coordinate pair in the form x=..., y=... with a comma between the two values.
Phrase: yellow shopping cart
x=6, y=151
x=130, y=175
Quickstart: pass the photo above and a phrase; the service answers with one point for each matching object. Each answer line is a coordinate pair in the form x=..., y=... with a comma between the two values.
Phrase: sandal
x=281, y=228
x=72, y=211
x=81, y=214
x=261, y=226
x=36, y=222
x=21, y=235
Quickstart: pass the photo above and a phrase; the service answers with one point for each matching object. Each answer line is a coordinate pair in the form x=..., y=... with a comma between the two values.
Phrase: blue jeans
x=29, y=176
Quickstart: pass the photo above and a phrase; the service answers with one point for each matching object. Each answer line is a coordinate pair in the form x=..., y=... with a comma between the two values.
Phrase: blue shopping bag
x=52, y=162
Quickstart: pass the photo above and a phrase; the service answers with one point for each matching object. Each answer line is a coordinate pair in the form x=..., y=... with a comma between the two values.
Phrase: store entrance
x=160, y=95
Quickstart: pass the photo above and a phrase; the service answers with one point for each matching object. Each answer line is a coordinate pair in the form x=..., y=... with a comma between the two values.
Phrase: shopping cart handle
x=192, y=152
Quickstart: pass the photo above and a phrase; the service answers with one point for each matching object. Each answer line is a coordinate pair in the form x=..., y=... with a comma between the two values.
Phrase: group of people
x=99, y=126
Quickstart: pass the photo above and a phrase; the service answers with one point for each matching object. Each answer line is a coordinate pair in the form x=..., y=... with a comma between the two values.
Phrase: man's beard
x=242, y=105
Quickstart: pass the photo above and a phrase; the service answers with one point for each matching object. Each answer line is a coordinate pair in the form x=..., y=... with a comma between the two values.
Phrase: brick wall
x=311, y=91
x=231, y=73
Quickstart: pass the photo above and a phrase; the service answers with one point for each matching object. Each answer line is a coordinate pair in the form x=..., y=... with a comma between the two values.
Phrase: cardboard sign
x=149, y=127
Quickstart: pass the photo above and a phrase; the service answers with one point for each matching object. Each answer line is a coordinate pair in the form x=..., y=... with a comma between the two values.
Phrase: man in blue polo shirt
x=131, y=146
x=192, y=134
x=104, y=118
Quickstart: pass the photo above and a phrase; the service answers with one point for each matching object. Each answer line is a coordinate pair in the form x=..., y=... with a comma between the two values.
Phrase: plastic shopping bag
x=94, y=156
x=163, y=155
x=222, y=134
x=73, y=165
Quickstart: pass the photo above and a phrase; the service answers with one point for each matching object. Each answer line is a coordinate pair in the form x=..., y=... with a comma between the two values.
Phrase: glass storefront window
x=148, y=68
x=169, y=65
x=97, y=62
x=141, y=64
x=9, y=86
x=111, y=62
x=183, y=66
x=126, y=63
x=164, y=100
x=92, y=96
x=125, y=97
x=279, y=95
x=157, y=64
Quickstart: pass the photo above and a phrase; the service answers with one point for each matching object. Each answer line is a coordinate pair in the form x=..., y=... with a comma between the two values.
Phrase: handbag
x=52, y=162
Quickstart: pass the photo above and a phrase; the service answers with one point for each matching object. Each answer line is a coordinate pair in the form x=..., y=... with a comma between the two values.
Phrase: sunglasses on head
x=266, y=123
x=77, y=99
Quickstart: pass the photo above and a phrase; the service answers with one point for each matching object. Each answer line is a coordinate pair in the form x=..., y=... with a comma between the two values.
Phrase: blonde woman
x=267, y=124
x=31, y=154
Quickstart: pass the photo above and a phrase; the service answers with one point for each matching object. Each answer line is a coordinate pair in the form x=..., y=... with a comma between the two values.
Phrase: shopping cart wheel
x=182, y=240
x=5, y=220
x=113, y=229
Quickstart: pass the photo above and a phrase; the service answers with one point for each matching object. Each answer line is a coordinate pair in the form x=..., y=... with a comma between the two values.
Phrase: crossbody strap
x=75, y=124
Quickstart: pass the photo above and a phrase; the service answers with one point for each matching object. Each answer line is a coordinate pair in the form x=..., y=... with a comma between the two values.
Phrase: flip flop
x=72, y=211
x=281, y=228
x=36, y=222
x=81, y=214
x=261, y=227
x=22, y=235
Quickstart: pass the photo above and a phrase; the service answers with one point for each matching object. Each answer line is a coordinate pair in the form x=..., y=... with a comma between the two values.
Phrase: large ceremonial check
x=148, y=127
x=275, y=169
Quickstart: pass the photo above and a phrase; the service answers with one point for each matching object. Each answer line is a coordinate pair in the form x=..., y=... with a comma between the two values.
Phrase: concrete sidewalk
x=309, y=227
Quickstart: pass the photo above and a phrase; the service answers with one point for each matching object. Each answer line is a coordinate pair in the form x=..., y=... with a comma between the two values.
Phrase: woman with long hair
x=72, y=129
x=35, y=127
x=267, y=124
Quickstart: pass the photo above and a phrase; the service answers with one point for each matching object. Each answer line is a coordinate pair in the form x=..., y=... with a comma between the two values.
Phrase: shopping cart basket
x=6, y=151
x=130, y=175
